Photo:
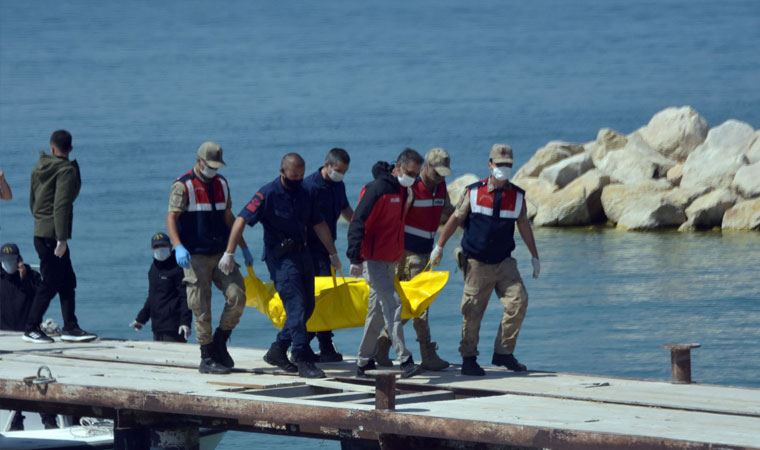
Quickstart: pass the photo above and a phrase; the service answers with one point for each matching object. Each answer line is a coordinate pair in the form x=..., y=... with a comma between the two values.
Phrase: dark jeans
x=321, y=262
x=293, y=277
x=57, y=278
x=167, y=336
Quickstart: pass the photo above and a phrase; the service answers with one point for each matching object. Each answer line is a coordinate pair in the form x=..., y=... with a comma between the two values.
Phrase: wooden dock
x=144, y=385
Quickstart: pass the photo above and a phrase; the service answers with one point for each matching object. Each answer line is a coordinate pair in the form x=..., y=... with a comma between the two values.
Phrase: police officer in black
x=166, y=305
x=286, y=211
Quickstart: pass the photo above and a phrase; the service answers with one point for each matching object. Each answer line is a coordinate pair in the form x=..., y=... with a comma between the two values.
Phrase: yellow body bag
x=342, y=302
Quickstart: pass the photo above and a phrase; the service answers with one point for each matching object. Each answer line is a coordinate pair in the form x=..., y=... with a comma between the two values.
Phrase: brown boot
x=430, y=359
x=383, y=347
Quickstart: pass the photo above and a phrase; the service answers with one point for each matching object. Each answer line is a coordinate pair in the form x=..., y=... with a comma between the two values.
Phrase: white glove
x=335, y=261
x=536, y=267
x=227, y=263
x=435, y=255
x=184, y=330
x=60, y=249
x=136, y=325
x=356, y=270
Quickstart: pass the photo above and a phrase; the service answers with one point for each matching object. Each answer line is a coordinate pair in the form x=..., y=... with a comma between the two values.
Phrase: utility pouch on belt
x=461, y=260
x=286, y=247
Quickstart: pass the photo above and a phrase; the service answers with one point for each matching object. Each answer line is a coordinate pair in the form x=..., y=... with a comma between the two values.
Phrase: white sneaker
x=77, y=335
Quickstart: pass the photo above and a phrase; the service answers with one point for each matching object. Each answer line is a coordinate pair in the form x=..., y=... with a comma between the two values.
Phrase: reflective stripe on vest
x=481, y=202
x=198, y=199
x=419, y=232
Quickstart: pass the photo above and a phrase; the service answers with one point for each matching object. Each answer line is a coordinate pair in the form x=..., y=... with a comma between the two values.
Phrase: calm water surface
x=141, y=84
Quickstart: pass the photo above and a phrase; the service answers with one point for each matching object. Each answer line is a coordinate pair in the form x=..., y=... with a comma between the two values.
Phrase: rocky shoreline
x=674, y=172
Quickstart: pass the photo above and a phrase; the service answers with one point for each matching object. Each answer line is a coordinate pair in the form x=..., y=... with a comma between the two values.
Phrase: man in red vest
x=490, y=210
x=429, y=207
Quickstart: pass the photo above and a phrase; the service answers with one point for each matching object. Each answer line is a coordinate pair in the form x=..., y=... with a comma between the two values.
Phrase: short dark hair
x=337, y=155
x=409, y=155
x=61, y=139
x=292, y=160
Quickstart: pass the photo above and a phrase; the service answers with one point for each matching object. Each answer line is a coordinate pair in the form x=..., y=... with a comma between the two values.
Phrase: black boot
x=327, y=353
x=471, y=367
x=277, y=355
x=410, y=369
x=208, y=365
x=508, y=361
x=361, y=370
x=307, y=369
x=221, y=355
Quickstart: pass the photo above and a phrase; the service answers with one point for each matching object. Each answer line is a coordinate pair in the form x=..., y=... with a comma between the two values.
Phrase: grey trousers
x=383, y=312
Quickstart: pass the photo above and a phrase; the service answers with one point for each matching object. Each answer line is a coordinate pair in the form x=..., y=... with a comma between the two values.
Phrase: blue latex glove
x=182, y=256
x=247, y=256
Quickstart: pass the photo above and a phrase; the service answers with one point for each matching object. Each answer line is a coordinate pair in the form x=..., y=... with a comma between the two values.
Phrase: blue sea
x=141, y=84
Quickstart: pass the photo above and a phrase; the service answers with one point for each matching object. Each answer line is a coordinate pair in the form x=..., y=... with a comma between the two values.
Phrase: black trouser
x=322, y=266
x=57, y=278
x=167, y=336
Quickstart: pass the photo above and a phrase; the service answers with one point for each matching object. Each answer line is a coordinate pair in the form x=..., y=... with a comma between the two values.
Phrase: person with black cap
x=166, y=305
x=198, y=224
x=55, y=186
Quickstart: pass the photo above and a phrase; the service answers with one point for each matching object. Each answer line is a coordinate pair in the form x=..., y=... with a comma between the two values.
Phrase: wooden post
x=385, y=388
x=680, y=362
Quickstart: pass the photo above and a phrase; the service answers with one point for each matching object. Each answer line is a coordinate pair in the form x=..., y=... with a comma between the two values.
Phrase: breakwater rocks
x=674, y=172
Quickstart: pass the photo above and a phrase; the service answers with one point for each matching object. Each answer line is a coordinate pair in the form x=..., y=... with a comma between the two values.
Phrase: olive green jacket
x=55, y=186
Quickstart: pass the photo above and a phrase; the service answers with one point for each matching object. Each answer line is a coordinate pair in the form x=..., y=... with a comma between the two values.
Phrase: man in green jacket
x=55, y=186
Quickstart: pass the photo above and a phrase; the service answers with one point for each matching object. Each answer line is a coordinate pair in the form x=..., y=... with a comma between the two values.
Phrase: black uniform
x=16, y=296
x=166, y=305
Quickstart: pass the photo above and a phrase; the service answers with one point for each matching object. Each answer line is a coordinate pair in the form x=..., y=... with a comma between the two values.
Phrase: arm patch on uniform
x=255, y=202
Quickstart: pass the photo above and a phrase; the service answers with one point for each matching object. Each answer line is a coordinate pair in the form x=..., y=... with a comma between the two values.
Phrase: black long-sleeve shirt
x=166, y=305
x=16, y=296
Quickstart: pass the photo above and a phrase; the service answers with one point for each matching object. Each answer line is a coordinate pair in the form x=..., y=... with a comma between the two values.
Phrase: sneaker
x=307, y=369
x=471, y=367
x=208, y=365
x=77, y=335
x=37, y=337
x=277, y=356
x=410, y=369
x=361, y=370
x=508, y=361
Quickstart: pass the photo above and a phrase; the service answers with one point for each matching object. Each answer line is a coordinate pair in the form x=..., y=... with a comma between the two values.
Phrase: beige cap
x=211, y=154
x=438, y=159
x=501, y=153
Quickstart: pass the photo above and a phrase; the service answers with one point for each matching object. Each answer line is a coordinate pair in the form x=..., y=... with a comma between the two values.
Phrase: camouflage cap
x=160, y=239
x=438, y=159
x=501, y=153
x=211, y=154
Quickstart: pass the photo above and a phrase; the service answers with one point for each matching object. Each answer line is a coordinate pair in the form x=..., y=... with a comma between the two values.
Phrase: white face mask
x=335, y=175
x=162, y=253
x=10, y=267
x=501, y=173
x=208, y=172
x=405, y=180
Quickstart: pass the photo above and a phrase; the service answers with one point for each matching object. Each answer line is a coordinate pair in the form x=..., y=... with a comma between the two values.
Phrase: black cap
x=9, y=249
x=160, y=239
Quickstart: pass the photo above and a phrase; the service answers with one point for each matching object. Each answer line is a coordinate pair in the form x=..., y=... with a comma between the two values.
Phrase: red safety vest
x=424, y=217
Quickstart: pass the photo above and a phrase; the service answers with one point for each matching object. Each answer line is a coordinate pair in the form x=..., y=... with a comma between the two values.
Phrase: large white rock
x=675, y=132
x=565, y=171
x=456, y=187
x=547, y=155
x=675, y=174
x=537, y=192
x=607, y=140
x=747, y=180
x=753, y=154
x=634, y=163
x=578, y=203
x=644, y=206
x=715, y=162
x=707, y=211
x=744, y=215
x=682, y=197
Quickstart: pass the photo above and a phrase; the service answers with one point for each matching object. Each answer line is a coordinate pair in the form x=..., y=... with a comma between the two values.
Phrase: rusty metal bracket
x=385, y=388
x=680, y=362
x=40, y=381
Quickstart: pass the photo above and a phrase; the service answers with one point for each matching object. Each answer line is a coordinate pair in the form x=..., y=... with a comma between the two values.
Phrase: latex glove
x=536, y=267
x=247, y=257
x=136, y=325
x=335, y=261
x=184, y=330
x=182, y=256
x=60, y=249
x=227, y=263
x=355, y=270
x=436, y=255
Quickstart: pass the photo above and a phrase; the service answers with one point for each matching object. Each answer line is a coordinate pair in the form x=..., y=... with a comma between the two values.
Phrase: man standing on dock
x=430, y=206
x=286, y=211
x=198, y=222
x=326, y=188
x=489, y=210
x=55, y=185
x=375, y=246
